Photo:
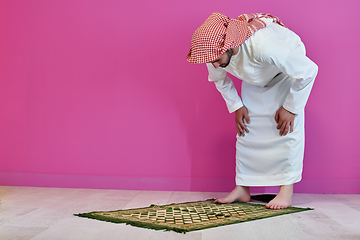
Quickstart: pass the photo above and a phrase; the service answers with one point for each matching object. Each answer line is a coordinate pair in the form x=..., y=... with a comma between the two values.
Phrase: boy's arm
x=226, y=87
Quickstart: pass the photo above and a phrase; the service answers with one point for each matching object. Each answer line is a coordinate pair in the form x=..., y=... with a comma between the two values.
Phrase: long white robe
x=275, y=72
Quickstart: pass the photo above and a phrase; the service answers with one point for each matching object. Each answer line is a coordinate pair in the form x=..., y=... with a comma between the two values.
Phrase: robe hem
x=267, y=181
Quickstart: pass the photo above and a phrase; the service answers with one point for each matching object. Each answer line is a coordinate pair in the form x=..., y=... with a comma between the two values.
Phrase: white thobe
x=275, y=72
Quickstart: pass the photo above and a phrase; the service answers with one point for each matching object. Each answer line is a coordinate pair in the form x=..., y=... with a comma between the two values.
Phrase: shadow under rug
x=189, y=216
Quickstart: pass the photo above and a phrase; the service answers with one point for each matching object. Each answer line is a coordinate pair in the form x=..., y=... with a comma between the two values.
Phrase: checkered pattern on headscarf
x=219, y=33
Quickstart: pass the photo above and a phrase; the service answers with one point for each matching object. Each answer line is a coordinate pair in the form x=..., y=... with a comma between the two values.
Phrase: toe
x=270, y=206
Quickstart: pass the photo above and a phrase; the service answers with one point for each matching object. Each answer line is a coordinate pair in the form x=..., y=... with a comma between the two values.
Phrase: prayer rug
x=190, y=216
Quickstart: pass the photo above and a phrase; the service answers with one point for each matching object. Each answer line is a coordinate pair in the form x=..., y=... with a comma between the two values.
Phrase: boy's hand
x=285, y=120
x=240, y=114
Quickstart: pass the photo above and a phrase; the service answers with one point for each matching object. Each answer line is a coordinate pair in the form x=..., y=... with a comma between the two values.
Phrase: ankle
x=287, y=190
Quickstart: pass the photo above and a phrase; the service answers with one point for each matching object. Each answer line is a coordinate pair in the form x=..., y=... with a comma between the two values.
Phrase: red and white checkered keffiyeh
x=219, y=33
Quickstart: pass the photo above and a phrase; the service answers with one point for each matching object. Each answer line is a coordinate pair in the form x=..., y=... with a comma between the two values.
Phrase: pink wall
x=98, y=94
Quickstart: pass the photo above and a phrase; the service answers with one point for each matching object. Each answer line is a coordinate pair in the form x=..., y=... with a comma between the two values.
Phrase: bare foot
x=283, y=199
x=240, y=193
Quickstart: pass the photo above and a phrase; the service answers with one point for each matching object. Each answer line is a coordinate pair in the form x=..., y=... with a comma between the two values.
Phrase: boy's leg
x=240, y=193
x=283, y=198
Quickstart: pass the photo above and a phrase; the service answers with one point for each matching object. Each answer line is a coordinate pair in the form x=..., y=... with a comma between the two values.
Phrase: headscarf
x=219, y=33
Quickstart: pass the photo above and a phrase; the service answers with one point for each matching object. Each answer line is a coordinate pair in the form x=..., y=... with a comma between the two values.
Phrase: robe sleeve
x=293, y=62
x=226, y=87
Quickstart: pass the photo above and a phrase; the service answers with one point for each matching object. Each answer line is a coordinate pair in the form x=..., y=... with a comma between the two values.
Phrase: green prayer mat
x=190, y=216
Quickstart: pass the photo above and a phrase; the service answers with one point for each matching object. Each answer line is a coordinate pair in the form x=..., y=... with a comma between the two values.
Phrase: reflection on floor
x=47, y=214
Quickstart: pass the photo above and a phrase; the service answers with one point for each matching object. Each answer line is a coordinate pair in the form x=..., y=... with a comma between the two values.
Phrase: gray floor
x=47, y=214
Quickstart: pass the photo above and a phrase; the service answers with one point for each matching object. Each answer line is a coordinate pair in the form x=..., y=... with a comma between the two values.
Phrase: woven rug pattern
x=184, y=217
